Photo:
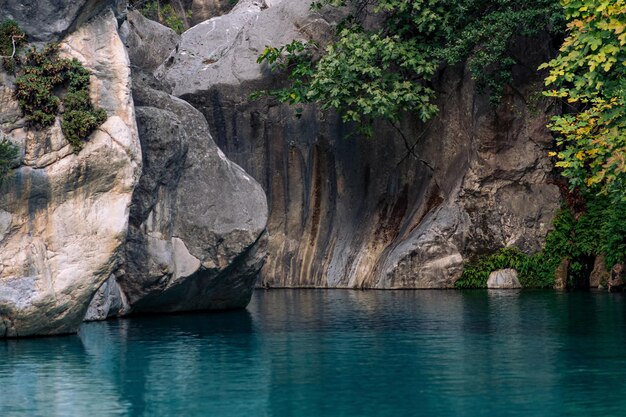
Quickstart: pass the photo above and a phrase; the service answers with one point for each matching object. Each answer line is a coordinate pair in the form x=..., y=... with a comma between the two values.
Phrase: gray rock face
x=360, y=213
x=64, y=216
x=503, y=279
x=51, y=20
x=224, y=49
x=148, y=42
x=197, y=222
x=357, y=212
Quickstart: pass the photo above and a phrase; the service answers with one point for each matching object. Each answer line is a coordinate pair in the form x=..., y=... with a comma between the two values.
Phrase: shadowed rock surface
x=202, y=10
x=196, y=237
x=65, y=215
x=148, y=42
x=363, y=212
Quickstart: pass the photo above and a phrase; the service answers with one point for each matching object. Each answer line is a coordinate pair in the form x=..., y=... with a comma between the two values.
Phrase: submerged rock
x=64, y=215
x=503, y=279
x=365, y=213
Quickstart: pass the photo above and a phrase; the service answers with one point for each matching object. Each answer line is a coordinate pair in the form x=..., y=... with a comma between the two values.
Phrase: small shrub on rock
x=48, y=84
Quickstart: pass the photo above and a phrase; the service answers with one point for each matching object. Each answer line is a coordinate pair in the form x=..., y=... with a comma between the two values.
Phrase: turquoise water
x=336, y=353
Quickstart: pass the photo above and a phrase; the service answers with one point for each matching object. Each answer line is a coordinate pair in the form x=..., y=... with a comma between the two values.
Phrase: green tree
x=590, y=75
x=386, y=70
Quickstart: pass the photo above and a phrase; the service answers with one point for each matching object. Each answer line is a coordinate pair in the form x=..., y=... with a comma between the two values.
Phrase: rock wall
x=357, y=212
x=65, y=215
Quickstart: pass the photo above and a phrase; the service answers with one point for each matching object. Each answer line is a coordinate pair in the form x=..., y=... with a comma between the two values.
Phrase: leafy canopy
x=383, y=70
x=590, y=74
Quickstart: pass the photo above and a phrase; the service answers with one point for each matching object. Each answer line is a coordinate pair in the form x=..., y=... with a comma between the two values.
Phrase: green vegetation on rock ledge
x=600, y=229
x=165, y=14
x=386, y=70
x=48, y=84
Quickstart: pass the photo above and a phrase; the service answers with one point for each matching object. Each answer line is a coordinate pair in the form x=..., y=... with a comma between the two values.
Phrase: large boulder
x=224, y=49
x=64, y=215
x=197, y=223
x=353, y=212
x=51, y=20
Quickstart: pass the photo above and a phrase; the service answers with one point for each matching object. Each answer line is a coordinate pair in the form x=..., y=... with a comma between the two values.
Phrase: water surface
x=336, y=353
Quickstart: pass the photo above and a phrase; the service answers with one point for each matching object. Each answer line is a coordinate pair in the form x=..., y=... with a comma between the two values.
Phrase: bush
x=387, y=53
x=43, y=74
x=599, y=230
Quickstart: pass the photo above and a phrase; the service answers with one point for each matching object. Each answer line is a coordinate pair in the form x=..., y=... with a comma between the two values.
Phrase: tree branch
x=13, y=39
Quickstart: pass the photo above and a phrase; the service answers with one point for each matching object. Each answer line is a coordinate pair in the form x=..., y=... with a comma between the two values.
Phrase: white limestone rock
x=65, y=215
x=503, y=279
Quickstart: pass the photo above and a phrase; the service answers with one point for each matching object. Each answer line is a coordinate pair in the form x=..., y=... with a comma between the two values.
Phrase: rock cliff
x=65, y=215
x=356, y=212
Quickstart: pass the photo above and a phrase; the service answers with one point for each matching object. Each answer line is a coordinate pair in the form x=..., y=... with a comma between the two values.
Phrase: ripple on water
x=336, y=353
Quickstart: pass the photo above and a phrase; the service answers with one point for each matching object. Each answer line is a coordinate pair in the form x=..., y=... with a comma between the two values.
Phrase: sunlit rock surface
x=64, y=216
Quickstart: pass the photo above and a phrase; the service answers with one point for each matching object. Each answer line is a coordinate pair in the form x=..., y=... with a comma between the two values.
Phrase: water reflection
x=336, y=353
x=48, y=377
